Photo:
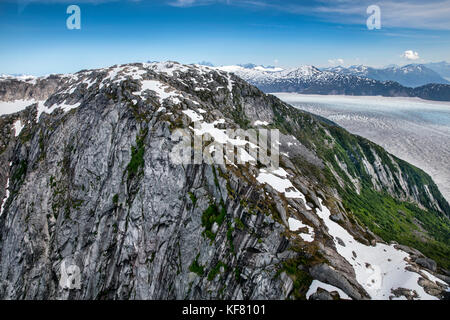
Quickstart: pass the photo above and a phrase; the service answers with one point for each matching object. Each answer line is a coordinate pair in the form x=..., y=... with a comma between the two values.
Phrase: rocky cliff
x=88, y=180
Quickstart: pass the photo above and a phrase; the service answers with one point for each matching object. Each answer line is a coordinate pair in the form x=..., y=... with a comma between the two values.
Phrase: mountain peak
x=410, y=75
x=206, y=63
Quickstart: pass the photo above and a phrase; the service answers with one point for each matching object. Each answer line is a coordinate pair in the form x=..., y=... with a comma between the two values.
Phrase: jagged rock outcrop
x=30, y=89
x=89, y=183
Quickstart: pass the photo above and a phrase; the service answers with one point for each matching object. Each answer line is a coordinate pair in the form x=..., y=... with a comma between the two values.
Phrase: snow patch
x=160, y=89
x=295, y=225
x=260, y=123
x=378, y=268
x=282, y=185
x=63, y=106
x=193, y=115
x=18, y=127
x=6, y=194
x=8, y=107
x=6, y=197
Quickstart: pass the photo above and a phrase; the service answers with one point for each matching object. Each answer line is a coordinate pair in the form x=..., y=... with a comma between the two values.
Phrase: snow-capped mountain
x=254, y=73
x=340, y=81
x=442, y=68
x=206, y=63
x=86, y=177
x=412, y=75
x=17, y=76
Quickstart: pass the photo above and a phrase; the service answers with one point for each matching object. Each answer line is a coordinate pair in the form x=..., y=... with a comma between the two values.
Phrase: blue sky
x=34, y=38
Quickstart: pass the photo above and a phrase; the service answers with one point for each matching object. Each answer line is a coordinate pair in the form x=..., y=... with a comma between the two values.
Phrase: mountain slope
x=89, y=180
x=442, y=68
x=412, y=75
x=310, y=80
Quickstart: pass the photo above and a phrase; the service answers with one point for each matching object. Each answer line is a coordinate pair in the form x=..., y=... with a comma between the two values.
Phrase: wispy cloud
x=336, y=62
x=183, y=3
x=191, y=3
x=22, y=4
x=416, y=14
x=25, y=2
x=432, y=14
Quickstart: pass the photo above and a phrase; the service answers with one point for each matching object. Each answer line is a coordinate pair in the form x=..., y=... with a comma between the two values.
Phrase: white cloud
x=410, y=55
x=336, y=62
x=191, y=3
x=182, y=3
x=22, y=4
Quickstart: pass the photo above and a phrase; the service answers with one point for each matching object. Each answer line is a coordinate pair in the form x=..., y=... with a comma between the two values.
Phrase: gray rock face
x=40, y=89
x=324, y=273
x=94, y=193
x=321, y=295
x=427, y=263
x=139, y=248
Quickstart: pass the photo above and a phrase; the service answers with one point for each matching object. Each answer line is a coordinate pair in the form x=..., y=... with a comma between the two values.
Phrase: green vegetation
x=115, y=227
x=115, y=199
x=136, y=164
x=19, y=173
x=214, y=271
x=239, y=224
x=391, y=219
x=239, y=116
x=302, y=279
x=216, y=181
x=196, y=267
x=193, y=198
x=212, y=215
x=237, y=274
x=42, y=142
x=76, y=203
x=52, y=182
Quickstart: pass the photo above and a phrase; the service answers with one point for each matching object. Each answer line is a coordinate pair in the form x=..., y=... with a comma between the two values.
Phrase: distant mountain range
x=412, y=75
x=443, y=68
x=311, y=80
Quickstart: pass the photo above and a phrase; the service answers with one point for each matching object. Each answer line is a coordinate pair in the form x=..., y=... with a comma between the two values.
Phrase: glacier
x=412, y=129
